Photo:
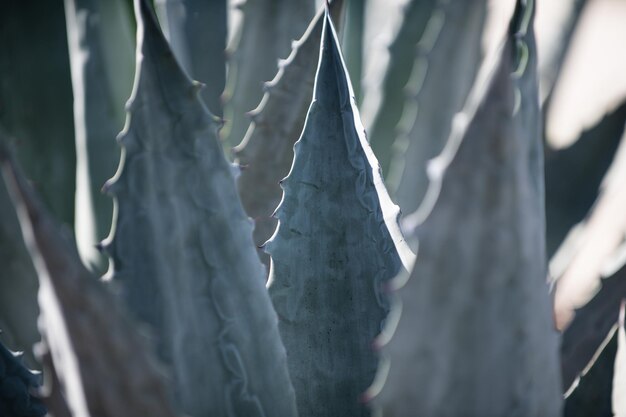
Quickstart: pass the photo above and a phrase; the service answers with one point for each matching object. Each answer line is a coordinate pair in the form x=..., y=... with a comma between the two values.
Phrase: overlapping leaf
x=101, y=57
x=268, y=28
x=182, y=247
x=266, y=151
x=196, y=30
x=336, y=245
x=103, y=362
x=447, y=59
x=475, y=335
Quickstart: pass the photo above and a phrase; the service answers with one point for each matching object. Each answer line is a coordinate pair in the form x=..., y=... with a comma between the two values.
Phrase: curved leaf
x=196, y=30
x=102, y=360
x=267, y=30
x=336, y=245
x=182, y=247
x=101, y=79
x=266, y=151
x=447, y=59
x=18, y=283
x=382, y=128
x=475, y=336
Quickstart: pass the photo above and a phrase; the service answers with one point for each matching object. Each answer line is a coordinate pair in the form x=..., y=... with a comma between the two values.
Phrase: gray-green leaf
x=102, y=360
x=337, y=244
x=266, y=151
x=183, y=251
x=475, y=336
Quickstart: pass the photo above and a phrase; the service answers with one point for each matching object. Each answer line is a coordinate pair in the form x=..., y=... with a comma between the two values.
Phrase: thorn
x=250, y=115
x=365, y=398
x=377, y=344
x=219, y=121
x=388, y=287
x=267, y=86
x=197, y=86
x=105, y=188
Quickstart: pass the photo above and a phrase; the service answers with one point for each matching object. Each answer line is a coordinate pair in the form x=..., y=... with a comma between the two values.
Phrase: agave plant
x=351, y=318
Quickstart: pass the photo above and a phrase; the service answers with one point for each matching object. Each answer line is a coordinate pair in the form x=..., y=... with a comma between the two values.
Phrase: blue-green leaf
x=336, y=245
x=266, y=151
x=476, y=335
x=182, y=247
x=102, y=360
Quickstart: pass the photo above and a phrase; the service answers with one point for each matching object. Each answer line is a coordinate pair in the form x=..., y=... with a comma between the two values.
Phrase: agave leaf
x=16, y=386
x=574, y=175
x=266, y=151
x=386, y=116
x=101, y=78
x=475, y=322
x=590, y=395
x=52, y=394
x=446, y=63
x=590, y=325
x=578, y=265
x=267, y=30
x=336, y=244
x=196, y=30
x=90, y=338
x=36, y=99
x=182, y=247
x=18, y=283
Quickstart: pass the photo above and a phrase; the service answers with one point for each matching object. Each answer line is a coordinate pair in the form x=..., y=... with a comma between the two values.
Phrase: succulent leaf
x=18, y=282
x=266, y=151
x=90, y=337
x=386, y=116
x=265, y=36
x=336, y=245
x=196, y=30
x=182, y=247
x=38, y=111
x=447, y=59
x=475, y=323
x=101, y=78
